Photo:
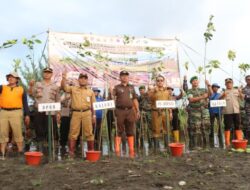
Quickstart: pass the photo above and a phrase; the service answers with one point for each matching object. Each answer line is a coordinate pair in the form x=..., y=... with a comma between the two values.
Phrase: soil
x=214, y=169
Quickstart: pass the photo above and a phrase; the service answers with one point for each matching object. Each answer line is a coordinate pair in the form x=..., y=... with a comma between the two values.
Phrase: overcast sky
x=184, y=19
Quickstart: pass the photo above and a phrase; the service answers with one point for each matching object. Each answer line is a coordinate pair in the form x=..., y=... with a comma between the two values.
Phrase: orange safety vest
x=11, y=97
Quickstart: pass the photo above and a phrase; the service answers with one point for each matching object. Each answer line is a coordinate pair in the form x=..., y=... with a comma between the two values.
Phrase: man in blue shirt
x=215, y=113
x=98, y=124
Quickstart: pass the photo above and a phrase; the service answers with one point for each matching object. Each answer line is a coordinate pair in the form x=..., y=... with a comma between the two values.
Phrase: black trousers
x=64, y=130
x=41, y=126
x=232, y=121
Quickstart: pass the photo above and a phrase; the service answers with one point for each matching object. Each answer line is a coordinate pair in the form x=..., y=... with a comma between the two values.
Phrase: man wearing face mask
x=13, y=106
x=83, y=115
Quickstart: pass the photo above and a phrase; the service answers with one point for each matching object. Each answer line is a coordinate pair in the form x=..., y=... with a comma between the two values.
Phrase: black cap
x=81, y=75
x=48, y=69
x=124, y=73
x=96, y=90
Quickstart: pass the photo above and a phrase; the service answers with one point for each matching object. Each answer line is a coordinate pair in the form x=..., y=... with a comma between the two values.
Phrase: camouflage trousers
x=198, y=128
x=144, y=127
x=245, y=121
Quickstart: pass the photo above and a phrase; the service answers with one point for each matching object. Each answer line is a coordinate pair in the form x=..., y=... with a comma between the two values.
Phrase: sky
x=185, y=20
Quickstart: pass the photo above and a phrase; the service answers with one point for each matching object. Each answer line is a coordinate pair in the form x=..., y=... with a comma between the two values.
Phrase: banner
x=103, y=57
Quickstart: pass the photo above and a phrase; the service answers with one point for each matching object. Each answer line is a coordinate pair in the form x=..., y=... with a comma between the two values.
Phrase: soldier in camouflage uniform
x=145, y=120
x=199, y=125
x=246, y=119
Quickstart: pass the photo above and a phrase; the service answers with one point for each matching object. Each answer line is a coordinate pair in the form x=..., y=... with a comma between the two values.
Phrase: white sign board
x=218, y=103
x=47, y=107
x=165, y=104
x=104, y=105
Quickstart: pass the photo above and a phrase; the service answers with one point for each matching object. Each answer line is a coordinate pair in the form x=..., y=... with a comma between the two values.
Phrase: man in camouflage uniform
x=246, y=92
x=144, y=124
x=199, y=125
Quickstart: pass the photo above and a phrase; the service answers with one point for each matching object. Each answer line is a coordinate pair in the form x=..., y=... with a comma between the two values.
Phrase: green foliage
x=199, y=70
x=244, y=67
x=231, y=55
x=8, y=43
x=186, y=65
x=210, y=29
x=156, y=50
x=213, y=64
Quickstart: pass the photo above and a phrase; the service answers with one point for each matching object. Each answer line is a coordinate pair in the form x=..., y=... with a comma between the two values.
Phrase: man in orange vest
x=13, y=105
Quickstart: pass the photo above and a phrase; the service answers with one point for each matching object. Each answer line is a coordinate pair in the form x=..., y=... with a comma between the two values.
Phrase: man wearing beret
x=45, y=91
x=13, y=106
x=198, y=116
x=83, y=115
x=246, y=92
x=127, y=112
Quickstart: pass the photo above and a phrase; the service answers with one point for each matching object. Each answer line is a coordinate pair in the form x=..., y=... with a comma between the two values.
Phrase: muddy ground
x=216, y=169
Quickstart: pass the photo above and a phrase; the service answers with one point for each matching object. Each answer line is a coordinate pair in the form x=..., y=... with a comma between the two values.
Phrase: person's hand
x=207, y=83
x=170, y=116
x=32, y=83
x=240, y=89
x=93, y=119
x=58, y=118
x=27, y=120
x=138, y=115
x=64, y=75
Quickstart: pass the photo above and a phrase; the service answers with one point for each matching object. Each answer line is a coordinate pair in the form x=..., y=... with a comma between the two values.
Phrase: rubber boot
x=206, y=137
x=118, y=145
x=227, y=138
x=166, y=141
x=238, y=134
x=176, y=136
x=72, y=146
x=156, y=144
x=90, y=145
x=131, y=146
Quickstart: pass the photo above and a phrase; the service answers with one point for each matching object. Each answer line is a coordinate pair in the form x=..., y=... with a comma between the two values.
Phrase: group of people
x=133, y=115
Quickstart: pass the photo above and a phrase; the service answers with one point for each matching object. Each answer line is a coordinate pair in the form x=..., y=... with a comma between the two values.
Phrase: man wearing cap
x=198, y=115
x=126, y=112
x=160, y=117
x=232, y=110
x=215, y=113
x=98, y=123
x=246, y=92
x=175, y=121
x=83, y=115
x=45, y=91
x=144, y=124
x=13, y=106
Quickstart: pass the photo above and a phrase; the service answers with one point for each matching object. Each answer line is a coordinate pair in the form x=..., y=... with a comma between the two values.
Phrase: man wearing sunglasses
x=231, y=111
x=246, y=92
x=198, y=116
x=160, y=116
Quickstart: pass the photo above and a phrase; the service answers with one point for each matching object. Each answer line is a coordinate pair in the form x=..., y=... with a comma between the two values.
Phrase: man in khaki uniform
x=159, y=116
x=126, y=112
x=14, y=104
x=45, y=91
x=82, y=98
